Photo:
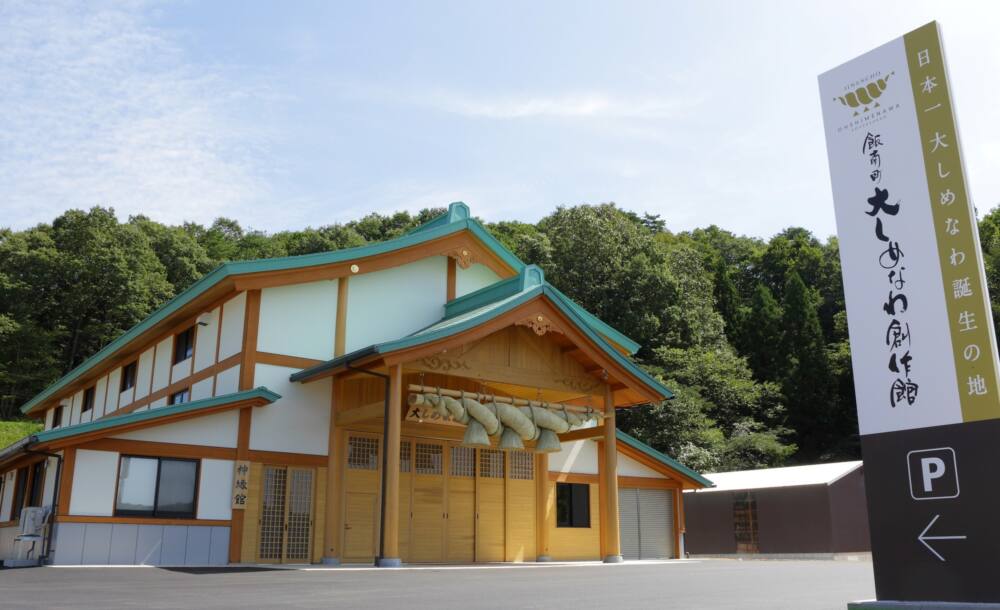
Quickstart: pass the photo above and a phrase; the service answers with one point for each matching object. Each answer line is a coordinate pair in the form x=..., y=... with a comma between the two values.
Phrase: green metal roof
x=663, y=458
x=509, y=294
x=153, y=414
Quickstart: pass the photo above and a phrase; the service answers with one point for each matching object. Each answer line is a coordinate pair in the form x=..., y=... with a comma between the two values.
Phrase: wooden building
x=798, y=510
x=426, y=399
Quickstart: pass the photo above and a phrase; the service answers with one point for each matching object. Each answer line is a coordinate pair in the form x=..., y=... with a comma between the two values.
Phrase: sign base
x=891, y=605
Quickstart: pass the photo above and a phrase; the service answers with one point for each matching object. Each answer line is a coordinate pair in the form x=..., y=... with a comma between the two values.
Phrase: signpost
x=922, y=341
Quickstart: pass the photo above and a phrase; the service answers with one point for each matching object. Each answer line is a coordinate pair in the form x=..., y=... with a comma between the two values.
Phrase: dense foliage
x=750, y=334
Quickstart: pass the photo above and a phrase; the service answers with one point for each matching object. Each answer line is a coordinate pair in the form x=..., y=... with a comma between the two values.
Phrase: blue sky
x=293, y=114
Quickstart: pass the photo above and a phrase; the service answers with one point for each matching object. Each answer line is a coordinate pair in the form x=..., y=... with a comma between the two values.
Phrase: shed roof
x=790, y=476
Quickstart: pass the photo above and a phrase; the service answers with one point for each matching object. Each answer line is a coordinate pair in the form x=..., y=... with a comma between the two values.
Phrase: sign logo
x=864, y=95
x=933, y=473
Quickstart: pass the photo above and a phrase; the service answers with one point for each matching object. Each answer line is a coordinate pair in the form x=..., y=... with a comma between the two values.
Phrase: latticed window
x=522, y=465
x=491, y=463
x=404, y=457
x=362, y=453
x=429, y=459
x=463, y=462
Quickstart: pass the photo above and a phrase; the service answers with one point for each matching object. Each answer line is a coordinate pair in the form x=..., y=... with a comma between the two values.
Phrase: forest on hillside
x=750, y=334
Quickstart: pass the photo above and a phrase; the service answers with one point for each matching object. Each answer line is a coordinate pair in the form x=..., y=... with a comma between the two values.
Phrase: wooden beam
x=390, y=527
x=340, y=333
x=452, y=279
x=251, y=323
x=613, y=552
x=294, y=362
x=66, y=484
x=583, y=433
x=242, y=453
x=160, y=449
x=351, y=416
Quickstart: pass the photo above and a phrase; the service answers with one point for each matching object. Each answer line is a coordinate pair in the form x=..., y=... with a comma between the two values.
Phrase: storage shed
x=798, y=510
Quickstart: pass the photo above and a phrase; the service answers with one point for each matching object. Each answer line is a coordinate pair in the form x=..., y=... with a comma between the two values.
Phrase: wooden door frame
x=345, y=447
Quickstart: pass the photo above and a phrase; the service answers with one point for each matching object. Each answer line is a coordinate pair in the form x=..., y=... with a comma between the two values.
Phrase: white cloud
x=570, y=106
x=99, y=108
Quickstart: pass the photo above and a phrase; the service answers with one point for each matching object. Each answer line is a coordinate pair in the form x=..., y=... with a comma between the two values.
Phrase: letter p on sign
x=933, y=473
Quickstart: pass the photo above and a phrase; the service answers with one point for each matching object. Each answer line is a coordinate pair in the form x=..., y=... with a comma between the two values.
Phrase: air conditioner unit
x=32, y=531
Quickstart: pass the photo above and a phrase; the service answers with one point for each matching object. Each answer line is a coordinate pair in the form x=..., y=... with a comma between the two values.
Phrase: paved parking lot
x=708, y=584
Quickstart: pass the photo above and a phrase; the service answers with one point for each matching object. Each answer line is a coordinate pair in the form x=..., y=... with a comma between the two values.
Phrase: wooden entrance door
x=520, y=505
x=361, y=484
x=460, y=539
x=490, y=516
x=427, y=541
x=286, y=515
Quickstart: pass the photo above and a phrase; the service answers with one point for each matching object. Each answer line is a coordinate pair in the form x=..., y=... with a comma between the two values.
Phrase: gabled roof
x=790, y=476
x=663, y=458
x=482, y=306
x=255, y=397
x=456, y=219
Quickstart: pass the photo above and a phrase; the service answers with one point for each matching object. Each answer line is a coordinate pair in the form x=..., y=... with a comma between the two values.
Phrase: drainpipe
x=385, y=458
x=47, y=545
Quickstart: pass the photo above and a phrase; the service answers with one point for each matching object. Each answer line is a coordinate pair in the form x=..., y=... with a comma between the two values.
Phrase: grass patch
x=11, y=431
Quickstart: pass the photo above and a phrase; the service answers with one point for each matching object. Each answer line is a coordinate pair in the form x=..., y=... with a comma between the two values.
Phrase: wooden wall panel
x=577, y=543
x=520, y=520
x=251, y=515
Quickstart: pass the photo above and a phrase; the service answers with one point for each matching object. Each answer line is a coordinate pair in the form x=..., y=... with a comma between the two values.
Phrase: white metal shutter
x=628, y=522
x=656, y=520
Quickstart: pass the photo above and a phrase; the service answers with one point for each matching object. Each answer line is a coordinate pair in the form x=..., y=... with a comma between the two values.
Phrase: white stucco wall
x=299, y=421
x=206, y=342
x=202, y=389
x=233, y=313
x=216, y=430
x=181, y=370
x=472, y=279
x=581, y=457
x=125, y=397
x=164, y=360
x=576, y=456
x=74, y=411
x=144, y=373
x=627, y=467
x=49, y=414
x=100, y=394
x=94, y=483
x=228, y=381
x=159, y=402
x=50, y=482
x=299, y=320
x=114, y=383
x=395, y=302
x=214, y=489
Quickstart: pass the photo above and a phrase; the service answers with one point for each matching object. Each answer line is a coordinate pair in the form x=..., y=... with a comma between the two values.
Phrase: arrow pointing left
x=923, y=537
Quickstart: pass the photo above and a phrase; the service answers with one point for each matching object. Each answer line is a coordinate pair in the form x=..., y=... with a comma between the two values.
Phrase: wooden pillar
x=542, y=487
x=612, y=542
x=334, y=481
x=390, y=526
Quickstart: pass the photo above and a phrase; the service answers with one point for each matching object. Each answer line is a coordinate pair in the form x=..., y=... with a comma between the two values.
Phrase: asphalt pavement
x=688, y=584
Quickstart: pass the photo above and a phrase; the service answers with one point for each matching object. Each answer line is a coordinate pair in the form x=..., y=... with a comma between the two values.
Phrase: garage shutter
x=628, y=522
x=656, y=518
x=646, y=523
